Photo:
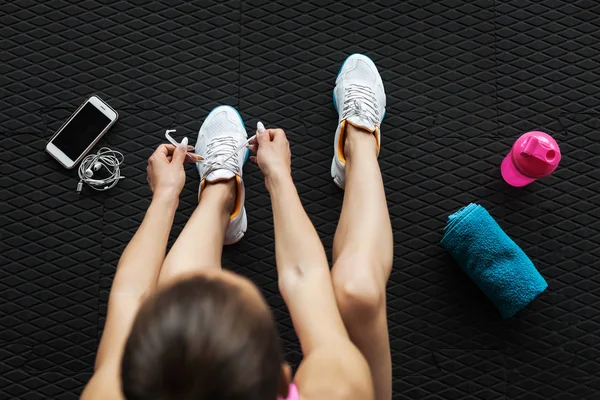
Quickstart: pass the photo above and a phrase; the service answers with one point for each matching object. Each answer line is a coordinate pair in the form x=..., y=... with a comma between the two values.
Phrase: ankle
x=359, y=140
x=224, y=193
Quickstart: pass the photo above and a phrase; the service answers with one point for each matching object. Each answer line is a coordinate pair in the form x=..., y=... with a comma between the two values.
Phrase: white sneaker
x=359, y=99
x=220, y=135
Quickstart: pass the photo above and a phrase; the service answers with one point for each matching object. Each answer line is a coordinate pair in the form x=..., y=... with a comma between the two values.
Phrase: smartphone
x=81, y=132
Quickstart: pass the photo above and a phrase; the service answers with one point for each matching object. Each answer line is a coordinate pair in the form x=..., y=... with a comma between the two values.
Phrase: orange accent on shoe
x=238, y=199
x=377, y=139
x=202, y=186
x=341, y=141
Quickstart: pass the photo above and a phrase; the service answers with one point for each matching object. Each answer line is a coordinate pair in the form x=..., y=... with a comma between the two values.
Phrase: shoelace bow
x=360, y=101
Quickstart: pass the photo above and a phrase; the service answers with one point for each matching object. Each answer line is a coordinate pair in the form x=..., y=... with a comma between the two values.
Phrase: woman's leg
x=200, y=244
x=362, y=255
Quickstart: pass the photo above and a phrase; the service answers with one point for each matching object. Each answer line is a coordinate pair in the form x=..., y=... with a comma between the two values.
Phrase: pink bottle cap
x=533, y=156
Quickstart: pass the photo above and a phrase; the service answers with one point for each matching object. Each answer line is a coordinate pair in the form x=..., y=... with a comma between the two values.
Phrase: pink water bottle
x=533, y=156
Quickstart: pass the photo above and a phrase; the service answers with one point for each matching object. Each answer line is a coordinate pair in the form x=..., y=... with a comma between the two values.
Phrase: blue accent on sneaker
x=337, y=76
x=334, y=101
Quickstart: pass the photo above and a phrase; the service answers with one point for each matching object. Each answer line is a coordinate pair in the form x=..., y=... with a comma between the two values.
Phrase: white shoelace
x=219, y=147
x=224, y=146
x=360, y=101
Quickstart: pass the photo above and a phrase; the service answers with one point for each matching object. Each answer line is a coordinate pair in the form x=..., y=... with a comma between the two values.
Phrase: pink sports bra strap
x=292, y=394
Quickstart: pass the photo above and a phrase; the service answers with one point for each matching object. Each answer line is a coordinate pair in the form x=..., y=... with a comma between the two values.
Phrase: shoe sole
x=240, y=236
x=334, y=175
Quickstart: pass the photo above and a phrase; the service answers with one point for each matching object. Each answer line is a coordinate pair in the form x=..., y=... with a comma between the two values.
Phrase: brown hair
x=202, y=339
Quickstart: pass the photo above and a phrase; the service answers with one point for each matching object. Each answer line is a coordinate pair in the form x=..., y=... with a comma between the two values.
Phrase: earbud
x=89, y=173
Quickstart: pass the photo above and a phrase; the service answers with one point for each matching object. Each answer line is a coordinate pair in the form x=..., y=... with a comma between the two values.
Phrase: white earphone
x=89, y=173
x=107, y=158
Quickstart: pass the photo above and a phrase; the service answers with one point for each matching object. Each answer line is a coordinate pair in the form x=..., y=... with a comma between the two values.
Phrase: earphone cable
x=105, y=158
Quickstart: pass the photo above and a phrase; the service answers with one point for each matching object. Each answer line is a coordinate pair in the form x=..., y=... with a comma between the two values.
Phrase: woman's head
x=210, y=336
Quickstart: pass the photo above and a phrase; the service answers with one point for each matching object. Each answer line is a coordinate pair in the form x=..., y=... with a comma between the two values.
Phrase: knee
x=359, y=295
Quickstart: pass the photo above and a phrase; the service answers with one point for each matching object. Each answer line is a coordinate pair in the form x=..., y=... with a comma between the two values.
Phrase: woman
x=181, y=327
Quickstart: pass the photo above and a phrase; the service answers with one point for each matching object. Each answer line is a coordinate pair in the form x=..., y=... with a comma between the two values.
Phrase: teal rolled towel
x=493, y=261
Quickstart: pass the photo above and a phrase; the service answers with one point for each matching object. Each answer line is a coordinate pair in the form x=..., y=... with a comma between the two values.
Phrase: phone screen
x=81, y=131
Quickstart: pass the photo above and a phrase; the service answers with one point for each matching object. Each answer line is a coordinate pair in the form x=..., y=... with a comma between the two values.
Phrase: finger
x=180, y=152
x=253, y=160
x=277, y=134
x=162, y=152
x=253, y=148
x=263, y=138
x=190, y=148
x=189, y=158
x=192, y=158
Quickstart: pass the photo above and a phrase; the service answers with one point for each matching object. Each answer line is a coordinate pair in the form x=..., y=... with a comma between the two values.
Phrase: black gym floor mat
x=463, y=79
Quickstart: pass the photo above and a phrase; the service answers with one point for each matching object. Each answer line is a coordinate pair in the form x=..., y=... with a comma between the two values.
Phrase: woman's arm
x=332, y=366
x=139, y=266
x=302, y=267
x=136, y=276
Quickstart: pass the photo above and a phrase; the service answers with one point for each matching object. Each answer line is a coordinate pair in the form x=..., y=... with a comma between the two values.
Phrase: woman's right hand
x=166, y=175
x=273, y=154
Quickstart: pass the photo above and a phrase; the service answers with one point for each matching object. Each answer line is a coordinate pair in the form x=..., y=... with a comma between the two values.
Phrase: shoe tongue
x=362, y=123
x=220, y=174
